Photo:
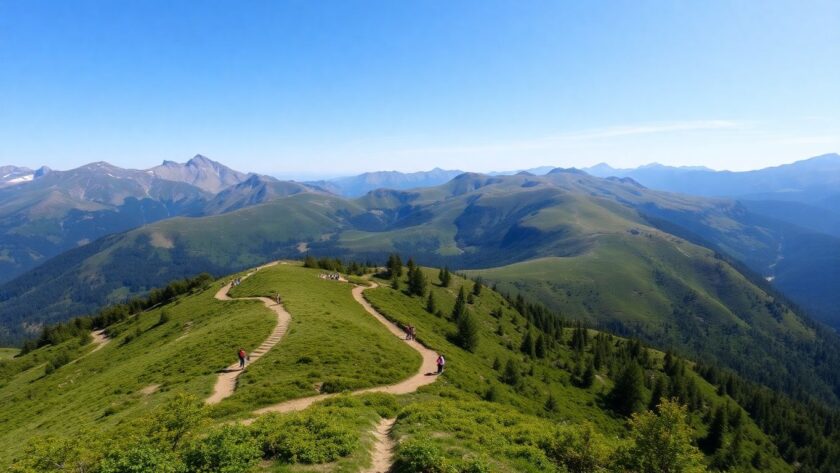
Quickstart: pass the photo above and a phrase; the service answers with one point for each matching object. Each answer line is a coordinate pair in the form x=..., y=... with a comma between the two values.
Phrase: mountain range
x=44, y=213
x=608, y=251
x=703, y=275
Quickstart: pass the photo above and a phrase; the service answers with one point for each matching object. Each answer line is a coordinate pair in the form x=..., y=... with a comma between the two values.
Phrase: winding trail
x=383, y=449
x=226, y=382
x=425, y=375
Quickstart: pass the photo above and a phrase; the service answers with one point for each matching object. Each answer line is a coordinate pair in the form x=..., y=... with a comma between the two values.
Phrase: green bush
x=313, y=437
x=231, y=449
x=141, y=458
x=578, y=449
x=420, y=455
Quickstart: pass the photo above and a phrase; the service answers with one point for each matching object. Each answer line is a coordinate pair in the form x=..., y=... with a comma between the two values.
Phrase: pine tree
x=627, y=396
x=511, y=375
x=497, y=364
x=445, y=277
x=395, y=283
x=460, y=307
x=660, y=391
x=416, y=281
x=310, y=262
x=394, y=265
x=467, y=332
x=541, y=348
x=528, y=346
x=431, y=305
x=477, y=287
x=717, y=430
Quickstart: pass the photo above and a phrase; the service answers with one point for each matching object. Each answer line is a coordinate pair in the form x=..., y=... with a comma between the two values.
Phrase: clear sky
x=305, y=88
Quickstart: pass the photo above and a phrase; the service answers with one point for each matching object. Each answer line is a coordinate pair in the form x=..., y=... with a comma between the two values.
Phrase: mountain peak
x=200, y=171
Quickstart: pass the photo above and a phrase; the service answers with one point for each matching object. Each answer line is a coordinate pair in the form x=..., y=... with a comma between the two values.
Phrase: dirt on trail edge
x=383, y=449
x=226, y=382
x=425, y=375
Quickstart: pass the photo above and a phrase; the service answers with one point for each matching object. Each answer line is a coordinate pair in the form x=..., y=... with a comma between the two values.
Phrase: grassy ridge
x=332, y=344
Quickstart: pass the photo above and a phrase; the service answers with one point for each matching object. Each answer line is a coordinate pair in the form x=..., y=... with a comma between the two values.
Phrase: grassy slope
x=183, y=354
x=331, y=339
x=104, y=388
x=671, y=293
x=344, y=343
x=450, y=414
x=6, y=353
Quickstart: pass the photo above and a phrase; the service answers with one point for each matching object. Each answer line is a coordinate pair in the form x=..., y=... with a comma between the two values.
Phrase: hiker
x=242, y=357
x=408, y=332
x=412, y=334
x=440, y=362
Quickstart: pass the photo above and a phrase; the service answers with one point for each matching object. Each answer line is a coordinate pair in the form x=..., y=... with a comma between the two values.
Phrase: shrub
x=578, y=449
x=421, y=455
x=141, y=458
x=335, y=385
x=230, y=449
x=314, y=437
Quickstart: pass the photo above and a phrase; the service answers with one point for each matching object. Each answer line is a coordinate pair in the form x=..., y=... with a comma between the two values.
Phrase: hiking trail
x=383, y=449
x=425, y=375
x=226, y=382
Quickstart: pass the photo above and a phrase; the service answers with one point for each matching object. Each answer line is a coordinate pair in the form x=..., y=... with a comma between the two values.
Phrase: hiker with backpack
x=441, y=361
x=242, y=357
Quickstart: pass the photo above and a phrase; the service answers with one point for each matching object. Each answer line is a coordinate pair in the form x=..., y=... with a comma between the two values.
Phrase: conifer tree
x=660, y=391
x=460, y=307
x=467, y=332
x=717, y=430
x=477, y=287
x=431, y=305
x=394, y=265
x=445, y=277
x=511, y=375
x=627, y=396
x=416, y=281
x=541, y=347
x=528, y=346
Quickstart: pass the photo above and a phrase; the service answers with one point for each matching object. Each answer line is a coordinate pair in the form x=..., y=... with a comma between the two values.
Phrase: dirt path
x=425, y=375
x=226, y=382
x=383, y=449
x=100, y=339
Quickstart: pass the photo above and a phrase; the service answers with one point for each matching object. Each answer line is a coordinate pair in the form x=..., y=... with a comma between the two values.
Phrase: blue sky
x=306, y=88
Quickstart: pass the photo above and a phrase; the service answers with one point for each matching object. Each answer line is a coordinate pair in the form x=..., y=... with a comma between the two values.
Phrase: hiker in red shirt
x=242, y=357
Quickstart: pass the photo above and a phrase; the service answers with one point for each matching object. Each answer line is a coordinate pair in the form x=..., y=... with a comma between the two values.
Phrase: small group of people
x=332, y=276
x=410, y=332
x=236, y=282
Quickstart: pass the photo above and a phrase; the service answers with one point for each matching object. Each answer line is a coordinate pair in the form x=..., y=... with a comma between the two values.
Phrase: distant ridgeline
x=82, y=326
x=525, y=389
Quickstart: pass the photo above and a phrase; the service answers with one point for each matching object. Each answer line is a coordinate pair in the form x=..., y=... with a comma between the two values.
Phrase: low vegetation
x=524, y=390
